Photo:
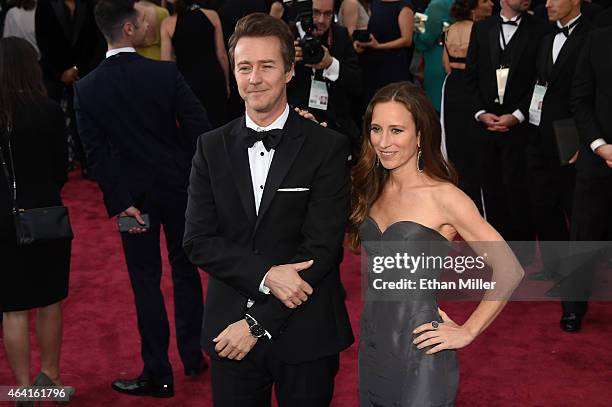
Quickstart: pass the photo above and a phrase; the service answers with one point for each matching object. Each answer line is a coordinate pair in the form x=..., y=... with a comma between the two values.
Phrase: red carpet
x=523, y=359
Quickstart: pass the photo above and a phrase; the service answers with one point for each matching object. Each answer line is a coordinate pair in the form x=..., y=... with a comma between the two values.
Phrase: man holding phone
x=139, y=122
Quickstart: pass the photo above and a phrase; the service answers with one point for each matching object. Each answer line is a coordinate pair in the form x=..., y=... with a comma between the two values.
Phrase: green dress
x=429, y=44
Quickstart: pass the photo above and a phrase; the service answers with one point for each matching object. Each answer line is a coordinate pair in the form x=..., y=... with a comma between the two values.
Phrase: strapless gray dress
x=393, y=372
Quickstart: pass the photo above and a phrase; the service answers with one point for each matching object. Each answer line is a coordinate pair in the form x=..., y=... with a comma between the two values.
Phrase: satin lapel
x=57, y=6
x=79, y=19
x=284, y=156
x=519, y=42
x=495, y=48
x=574, y=40
x=545, y=59
x=239, y=161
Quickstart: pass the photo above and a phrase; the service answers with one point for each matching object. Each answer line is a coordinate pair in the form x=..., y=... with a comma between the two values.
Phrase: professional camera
x=303, y=26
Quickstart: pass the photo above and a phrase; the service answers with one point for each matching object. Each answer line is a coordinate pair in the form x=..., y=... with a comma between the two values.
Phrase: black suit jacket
x=59, y=48
x=556, y=103
x=483, y=59
x=129, y=111
x=348, y=87
x=592, y=100
x=225, y=237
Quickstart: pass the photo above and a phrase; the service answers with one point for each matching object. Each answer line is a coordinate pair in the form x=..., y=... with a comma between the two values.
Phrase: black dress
x=392, y=370
x=383, y=67
x=463, y=143
x=196, y=59
x=34, y=276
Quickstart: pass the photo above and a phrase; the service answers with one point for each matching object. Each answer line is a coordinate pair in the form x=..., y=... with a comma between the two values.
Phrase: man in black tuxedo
x=338, y=74
x=70, y=47
x=505, y=45
x=268, y=204
x=592, y=104
x=552, y=184
x=139, y=122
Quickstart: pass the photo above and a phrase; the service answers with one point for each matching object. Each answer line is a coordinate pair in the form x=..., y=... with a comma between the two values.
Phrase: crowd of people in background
x=503, y=77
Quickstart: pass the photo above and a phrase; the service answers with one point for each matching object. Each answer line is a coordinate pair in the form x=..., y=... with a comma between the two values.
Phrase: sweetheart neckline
x=404, y=221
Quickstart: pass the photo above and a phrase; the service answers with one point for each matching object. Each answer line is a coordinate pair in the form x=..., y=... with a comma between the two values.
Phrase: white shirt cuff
x=266, y=332
x=332, y=72
x=517, y=113
x=597, y=143
x=478, y=113
x=262, y=287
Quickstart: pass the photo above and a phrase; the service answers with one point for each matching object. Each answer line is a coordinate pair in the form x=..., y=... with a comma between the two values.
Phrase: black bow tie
x=511, y=22
x=566, y=30
x=270, y=138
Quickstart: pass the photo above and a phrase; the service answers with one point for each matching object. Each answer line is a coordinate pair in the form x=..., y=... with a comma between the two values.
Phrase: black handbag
x=37, y=224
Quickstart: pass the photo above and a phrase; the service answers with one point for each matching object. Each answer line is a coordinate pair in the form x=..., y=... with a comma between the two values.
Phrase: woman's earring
x=377, y=161
x=420, y=163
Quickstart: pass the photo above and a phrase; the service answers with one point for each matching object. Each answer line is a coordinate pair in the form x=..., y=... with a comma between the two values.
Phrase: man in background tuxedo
x=504, y=45
x=268, y=204
x=337, y=74
x=70, y=46
x=552, y=184
x=591, y=215
x=140, y=139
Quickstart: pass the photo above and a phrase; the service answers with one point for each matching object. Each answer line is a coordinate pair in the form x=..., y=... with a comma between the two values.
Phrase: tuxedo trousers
x=248, y=383
x=591, y=221
x=165, y=205
x=506, y=198
x=551, y=193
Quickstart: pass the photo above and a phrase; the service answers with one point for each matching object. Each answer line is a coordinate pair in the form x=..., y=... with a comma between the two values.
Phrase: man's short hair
x=264, y=25
x=110, y=16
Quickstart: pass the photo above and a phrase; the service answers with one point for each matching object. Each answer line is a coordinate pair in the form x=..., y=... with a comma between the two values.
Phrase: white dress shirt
x=260, y=161
x=560, y=38
x=113, y=52
x=508, y=30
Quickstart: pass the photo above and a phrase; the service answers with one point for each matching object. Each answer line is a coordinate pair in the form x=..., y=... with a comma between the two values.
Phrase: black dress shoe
x=570, y=322
x=141, y=387
x=194, y=372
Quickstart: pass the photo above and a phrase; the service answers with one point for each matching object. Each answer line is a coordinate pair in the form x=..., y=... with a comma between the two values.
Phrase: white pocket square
x=293, y=189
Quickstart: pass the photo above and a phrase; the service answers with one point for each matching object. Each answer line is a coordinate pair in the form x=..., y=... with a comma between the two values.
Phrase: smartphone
x=127, y=222
x=361, y=35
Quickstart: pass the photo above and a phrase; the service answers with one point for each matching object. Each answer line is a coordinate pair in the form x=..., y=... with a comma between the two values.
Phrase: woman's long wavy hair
x=20, y=77
x=369, y=177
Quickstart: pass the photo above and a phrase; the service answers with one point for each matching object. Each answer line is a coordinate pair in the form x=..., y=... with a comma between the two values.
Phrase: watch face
x=257, y=331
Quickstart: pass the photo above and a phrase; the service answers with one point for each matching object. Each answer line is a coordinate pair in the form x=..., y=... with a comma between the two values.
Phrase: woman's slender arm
x=507, y=273
x=350, y=15
x=220, y=47
x=405, y=21
x=166, y=32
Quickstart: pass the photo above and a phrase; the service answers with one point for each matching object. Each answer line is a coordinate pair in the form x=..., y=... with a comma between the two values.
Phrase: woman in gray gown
x=404, y=191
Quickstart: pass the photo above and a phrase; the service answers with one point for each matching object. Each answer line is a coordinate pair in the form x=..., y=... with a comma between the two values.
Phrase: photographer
x=327, y=86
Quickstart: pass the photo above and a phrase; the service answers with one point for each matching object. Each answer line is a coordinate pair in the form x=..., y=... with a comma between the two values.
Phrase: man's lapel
x=575, y=39
x=58, y=9
x=519, y=41
x=239, y=161
x=79, y=19
x=284, y=156
x=494, y=47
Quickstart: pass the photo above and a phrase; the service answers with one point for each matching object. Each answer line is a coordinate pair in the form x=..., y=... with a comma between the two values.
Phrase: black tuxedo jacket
x=225, y=237
x=484, y=58
x=558, y=77
x=62, y=47
x=128, y=111
x=348, y=87
x=592, y=100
